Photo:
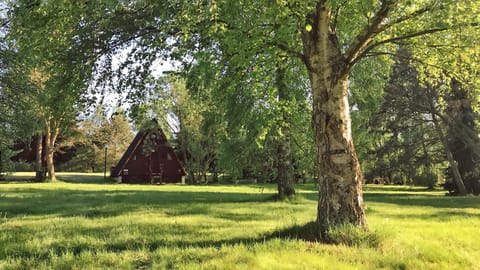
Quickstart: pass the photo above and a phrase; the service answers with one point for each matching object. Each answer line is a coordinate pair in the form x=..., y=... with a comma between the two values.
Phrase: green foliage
x=367, y=95
x=427, y=179
x=43, y=36
x=6, y=164
x=403, y=136
x=18, y=115
x=403, y=145
x=94, y=135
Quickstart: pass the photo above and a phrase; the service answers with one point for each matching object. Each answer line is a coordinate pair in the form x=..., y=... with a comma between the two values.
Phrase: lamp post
x=105, y=164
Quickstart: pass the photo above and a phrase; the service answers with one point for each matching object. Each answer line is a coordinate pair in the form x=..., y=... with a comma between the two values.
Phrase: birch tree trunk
x=340, y=181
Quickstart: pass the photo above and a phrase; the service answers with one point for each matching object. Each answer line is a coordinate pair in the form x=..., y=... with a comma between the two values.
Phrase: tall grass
x=90, y=224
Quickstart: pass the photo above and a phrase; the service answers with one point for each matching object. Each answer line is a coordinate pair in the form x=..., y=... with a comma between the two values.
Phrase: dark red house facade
x=149, y=159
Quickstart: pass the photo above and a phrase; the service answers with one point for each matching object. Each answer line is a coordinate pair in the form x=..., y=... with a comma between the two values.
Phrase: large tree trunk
x=51, y=135
x=285, y=176
x=39, y=176
x=340, y=180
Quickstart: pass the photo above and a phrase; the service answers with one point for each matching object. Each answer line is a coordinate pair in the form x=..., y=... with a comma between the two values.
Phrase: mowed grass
x=83, y=222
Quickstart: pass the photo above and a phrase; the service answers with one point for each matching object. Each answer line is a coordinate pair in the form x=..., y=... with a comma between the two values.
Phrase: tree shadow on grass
x=443, y=208
x=84, y=179
x=408, y=199
x=169, y=236
x=107, y=203
x=59, y=248
x=67, y=178
x=394, y=188
x=118, y=238
x=437, y=216
x=17, y=180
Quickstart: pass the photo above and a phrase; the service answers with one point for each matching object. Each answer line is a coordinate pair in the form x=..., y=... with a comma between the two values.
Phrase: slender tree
x=42, y=34
x=462, y=135
x=285, y=177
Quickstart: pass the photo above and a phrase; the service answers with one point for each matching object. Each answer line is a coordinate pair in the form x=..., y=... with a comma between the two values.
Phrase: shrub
x=426, y=179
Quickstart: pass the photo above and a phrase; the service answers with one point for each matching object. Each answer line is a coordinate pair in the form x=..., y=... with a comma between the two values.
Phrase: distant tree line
x=423, y=133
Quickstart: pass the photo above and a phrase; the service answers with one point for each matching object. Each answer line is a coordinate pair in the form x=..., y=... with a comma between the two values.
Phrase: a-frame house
x=149, y=159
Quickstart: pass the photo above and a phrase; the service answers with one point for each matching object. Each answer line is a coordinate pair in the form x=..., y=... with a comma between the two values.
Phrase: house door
x=157, y=167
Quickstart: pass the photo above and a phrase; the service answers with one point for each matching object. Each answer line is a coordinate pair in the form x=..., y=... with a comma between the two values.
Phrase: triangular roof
x=137, y=141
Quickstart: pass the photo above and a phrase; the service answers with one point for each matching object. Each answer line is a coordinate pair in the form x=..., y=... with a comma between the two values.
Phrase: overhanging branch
x=407, y=17
x=368, y=49
x=396, y=40
x=370, y=31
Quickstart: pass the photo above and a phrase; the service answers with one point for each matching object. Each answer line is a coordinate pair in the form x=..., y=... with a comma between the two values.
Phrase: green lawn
x=83, y=222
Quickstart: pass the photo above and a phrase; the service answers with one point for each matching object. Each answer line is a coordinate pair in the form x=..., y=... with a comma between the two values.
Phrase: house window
x=125, y=172
x=135, y=157
x=169, y=157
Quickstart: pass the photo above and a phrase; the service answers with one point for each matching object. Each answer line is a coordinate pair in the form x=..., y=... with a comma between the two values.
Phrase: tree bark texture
x=340, y=181
x=51, y=135
x=285, y=176
x=38, y=158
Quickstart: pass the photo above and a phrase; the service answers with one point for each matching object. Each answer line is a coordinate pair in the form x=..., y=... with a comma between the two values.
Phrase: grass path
x=82, y=222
